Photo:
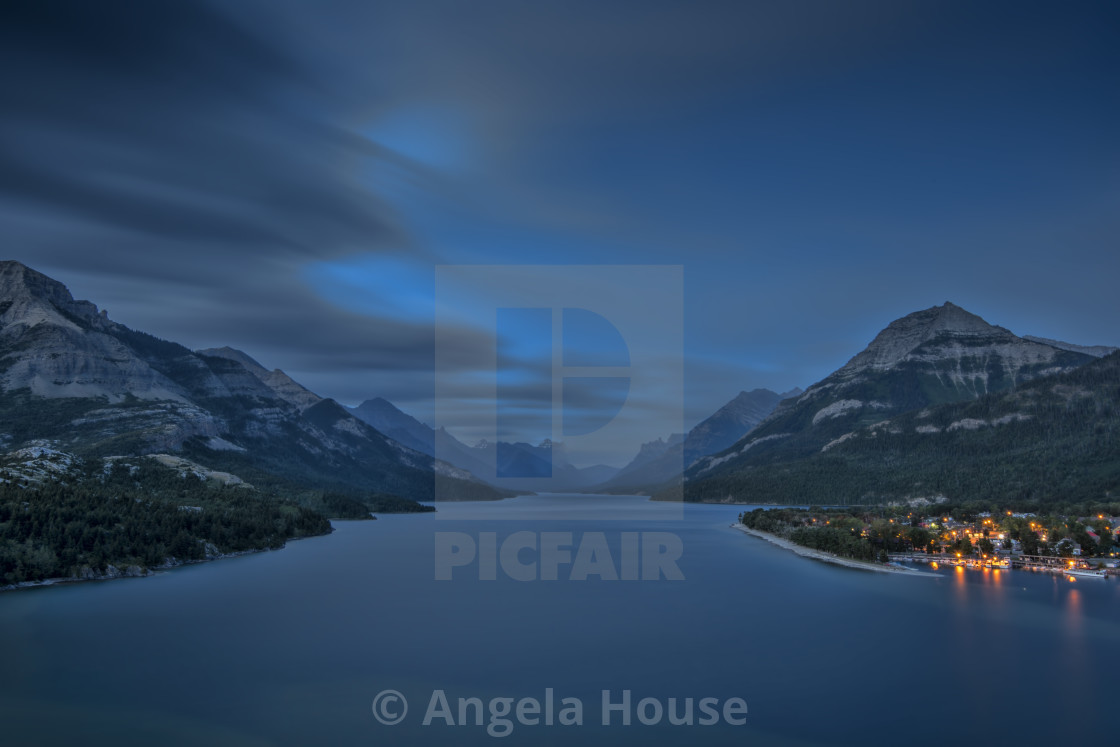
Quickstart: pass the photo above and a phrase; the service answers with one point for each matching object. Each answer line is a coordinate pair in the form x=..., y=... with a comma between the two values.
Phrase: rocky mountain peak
x=932, y=357
x=378, y=406
x=903, y=336
x=30, y=297
x=17, y=280
x=101, y=385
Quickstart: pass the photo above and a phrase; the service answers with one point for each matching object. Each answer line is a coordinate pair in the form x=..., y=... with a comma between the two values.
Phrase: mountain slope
x=1055, y=439
x=94, y=387
x=731, y=422
x=127, y=516
x=659, y=461
x=397, y=425
x=1097, y=351
x=282, y=385
x=940, y=355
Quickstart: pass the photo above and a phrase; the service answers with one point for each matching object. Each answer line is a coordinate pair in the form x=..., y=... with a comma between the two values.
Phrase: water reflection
x=960, y=583
x=1073, y=611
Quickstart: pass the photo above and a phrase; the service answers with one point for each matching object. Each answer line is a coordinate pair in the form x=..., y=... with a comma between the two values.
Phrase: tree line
x=142, y=515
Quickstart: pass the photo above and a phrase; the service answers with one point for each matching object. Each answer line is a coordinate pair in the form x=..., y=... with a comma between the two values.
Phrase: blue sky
x=286, y=176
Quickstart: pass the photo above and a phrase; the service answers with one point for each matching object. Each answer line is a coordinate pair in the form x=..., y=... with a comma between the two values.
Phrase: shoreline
x=169, y=564
x=134, y=571
x=825, y=557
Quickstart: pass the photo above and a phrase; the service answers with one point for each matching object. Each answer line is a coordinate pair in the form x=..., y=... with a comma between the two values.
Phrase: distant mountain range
x=940, y=405
x=484, y=460
x=84, y=385
x=656, y=461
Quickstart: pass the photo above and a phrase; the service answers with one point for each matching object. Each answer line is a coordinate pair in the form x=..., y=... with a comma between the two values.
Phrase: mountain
x=73, y=519
x=1097, y=351
x=1052, y=440
x=454, y=451
x=279, y=382
x=939, y=356
x=485, y=460
x=397, y=425
x=659, y=461
x=88, y=386
x=731, y=422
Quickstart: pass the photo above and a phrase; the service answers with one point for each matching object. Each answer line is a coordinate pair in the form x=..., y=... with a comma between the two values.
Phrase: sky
x=286, y=177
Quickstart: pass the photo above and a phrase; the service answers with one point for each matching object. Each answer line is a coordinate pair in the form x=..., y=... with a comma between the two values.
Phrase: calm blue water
x=290, y=647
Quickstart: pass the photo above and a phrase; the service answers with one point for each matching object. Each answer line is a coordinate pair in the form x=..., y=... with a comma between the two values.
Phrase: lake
x=291, y=647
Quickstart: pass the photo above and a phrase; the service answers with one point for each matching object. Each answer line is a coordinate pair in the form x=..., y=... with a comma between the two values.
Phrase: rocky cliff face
x=58, y=347
x=72, y=377
x=936, y=327
x=276, y=381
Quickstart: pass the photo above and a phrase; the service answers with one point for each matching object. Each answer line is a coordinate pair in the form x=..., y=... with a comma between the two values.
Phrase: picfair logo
x=593, y=372
x=546, y=370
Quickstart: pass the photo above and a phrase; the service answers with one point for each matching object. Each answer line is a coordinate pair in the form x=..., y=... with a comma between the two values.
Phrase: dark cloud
x=180, y=169
x=176, y=124
x=820, y=168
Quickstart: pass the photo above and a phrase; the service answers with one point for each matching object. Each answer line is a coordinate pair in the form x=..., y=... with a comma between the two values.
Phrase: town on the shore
x=1074, y=544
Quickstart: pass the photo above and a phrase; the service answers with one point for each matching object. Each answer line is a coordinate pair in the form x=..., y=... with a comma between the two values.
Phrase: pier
x=1038, y=563
x=919, y=557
